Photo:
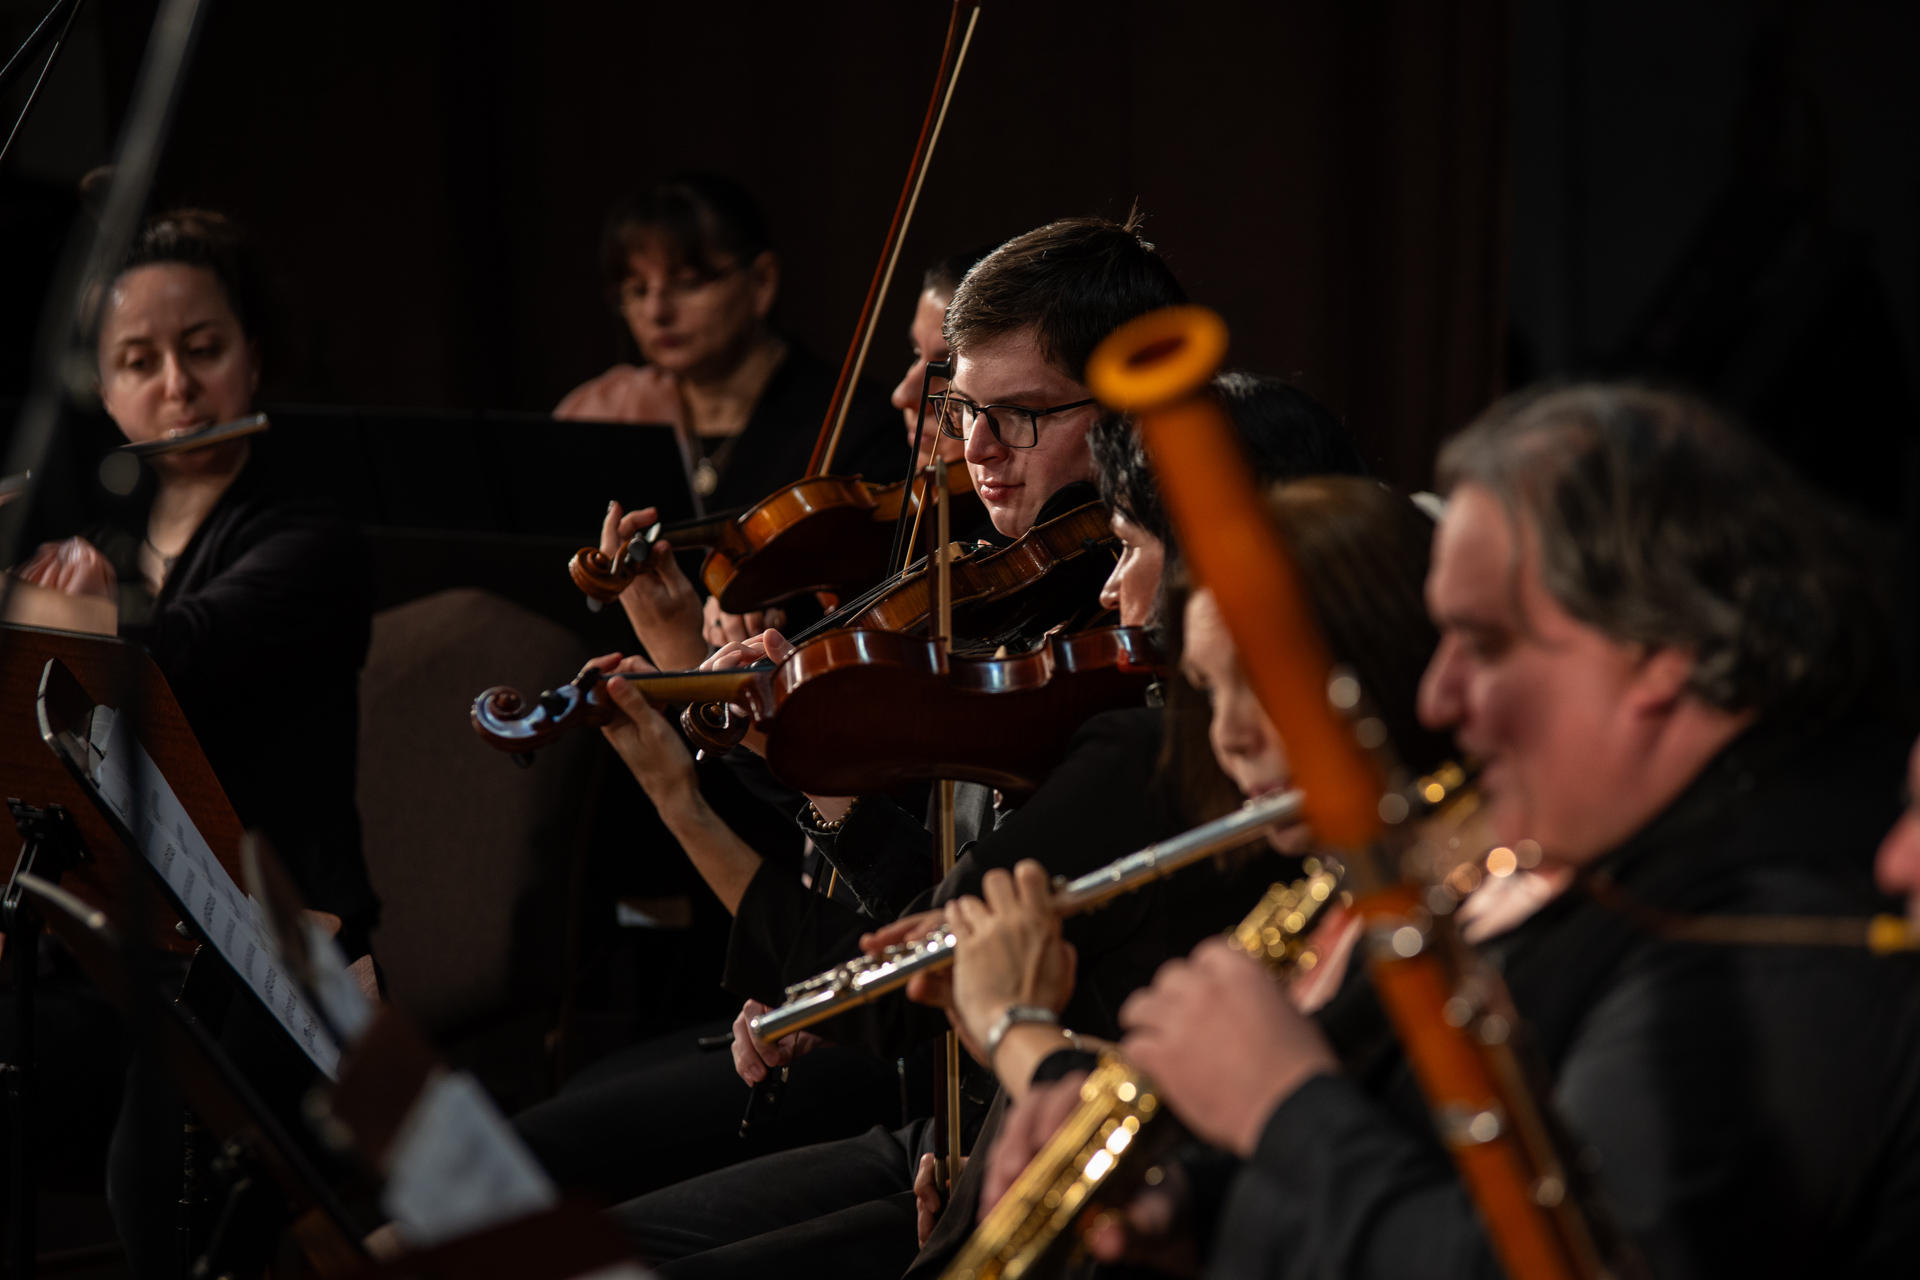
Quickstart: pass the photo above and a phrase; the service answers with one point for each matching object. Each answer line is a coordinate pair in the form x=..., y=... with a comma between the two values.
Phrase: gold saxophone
x=1113, y=1140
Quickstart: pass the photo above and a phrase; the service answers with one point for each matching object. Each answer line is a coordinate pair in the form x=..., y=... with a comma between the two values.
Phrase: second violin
x=820, y=533
x=854, y=712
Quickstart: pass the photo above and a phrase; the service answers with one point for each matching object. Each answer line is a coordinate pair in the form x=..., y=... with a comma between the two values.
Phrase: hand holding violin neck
x=506, y=721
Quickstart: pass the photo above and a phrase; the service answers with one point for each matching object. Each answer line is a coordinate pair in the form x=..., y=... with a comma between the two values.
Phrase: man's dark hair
x=945, y=275
x=1661, y=522
x=193, y=238
x=700, y=221
x=1285, y=432
x=1073, y=282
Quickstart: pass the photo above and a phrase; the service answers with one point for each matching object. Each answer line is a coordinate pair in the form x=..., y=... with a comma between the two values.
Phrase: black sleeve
x=1063, y=1062
x=777, y=928
x=1099, y=804
x=784, y=932
x=883, y=853
x=301, y=592
x=1337, y=1187
x=874, y=444
x=758, y=780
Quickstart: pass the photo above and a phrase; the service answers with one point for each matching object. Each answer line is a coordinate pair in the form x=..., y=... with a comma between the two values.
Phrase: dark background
x=1407, y=206
x=428, y=181
x=1400, y=204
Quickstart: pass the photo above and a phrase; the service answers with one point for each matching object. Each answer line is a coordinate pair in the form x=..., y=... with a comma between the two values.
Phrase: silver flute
x=868, y=977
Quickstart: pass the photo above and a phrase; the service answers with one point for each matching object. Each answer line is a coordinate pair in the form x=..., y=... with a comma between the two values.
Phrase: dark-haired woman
x=1362, y=551
x=662, y=603
x=226, y=582
x=691, y=269
x=230, y=586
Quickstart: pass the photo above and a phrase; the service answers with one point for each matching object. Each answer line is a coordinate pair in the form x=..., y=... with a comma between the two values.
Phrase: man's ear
x=1662, y=680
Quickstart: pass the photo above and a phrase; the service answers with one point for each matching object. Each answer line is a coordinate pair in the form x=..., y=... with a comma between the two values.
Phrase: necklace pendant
x=705, y=478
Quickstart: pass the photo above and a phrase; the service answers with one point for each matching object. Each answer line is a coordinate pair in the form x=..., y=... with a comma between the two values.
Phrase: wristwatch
x=1013, y=1016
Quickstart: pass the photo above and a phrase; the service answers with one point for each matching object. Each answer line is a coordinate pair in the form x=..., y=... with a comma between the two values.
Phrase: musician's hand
x=1008, y=951
x=1027, y=1126
x=905, y=929
x=73, y=567
x=928, y=1198
x=1224, y=1043
x=660, y=603
x=752, y=1059
x=747, y=650
x=744, y=653
x=651, y=747
x=1333, y=943
x=624, y=393
x=722, y=628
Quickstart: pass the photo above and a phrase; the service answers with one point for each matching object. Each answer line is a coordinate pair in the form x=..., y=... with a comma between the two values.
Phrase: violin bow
x=943, y=85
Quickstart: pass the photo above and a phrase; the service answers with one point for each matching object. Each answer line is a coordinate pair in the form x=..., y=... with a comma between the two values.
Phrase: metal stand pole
x=193, y=1196
x=52, y=846
x=23, y=945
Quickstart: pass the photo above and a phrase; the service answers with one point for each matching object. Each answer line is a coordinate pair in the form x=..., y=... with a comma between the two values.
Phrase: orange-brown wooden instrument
x=858, y=711
x=821, y=533
x=996, y=590
x=1449, y=1009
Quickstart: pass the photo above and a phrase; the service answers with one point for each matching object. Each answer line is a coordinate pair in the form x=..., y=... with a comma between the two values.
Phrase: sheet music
x=225, y=915
x=458, y=1166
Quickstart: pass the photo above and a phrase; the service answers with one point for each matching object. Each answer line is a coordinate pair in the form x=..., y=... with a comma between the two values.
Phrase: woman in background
x=691, y=270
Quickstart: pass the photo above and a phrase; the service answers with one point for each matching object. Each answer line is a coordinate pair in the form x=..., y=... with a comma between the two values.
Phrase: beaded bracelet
x=819, y=821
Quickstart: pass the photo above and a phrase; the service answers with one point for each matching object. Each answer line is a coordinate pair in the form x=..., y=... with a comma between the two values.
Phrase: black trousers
x=666, y=1110
x=839, y=1208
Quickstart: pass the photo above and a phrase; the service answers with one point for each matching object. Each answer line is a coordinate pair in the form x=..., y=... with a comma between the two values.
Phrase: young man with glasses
x=1021, y=327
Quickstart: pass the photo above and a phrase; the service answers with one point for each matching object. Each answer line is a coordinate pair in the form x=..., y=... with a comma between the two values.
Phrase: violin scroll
x=713, y=726
x=602, y=577
x=504, y=720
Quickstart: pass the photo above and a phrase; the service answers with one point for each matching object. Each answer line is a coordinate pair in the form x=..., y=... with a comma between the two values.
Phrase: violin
x=832, y=712
x=1000, y=594
x=822, y=531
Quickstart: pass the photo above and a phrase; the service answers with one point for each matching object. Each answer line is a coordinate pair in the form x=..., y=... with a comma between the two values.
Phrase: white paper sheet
x=228, y=917
x=458, y=1166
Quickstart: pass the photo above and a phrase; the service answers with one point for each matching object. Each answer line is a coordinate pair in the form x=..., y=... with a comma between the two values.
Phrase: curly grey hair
x=1661, y=522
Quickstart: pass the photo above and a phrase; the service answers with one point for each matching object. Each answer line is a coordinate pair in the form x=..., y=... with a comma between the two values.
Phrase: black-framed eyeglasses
x=1013, y=425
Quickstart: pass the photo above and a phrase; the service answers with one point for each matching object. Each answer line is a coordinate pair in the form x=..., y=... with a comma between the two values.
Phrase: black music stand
x=216, y=1089
x=213, y=1086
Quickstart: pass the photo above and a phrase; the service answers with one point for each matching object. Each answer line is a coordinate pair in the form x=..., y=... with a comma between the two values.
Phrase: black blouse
x=261, y=629
x=1101, y=802
x=779, y=437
